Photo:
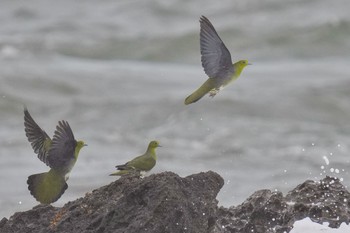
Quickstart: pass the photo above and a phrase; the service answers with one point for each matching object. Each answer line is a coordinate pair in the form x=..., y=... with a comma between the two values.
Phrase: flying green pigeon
x=60, y=154
x=216, y=61
x=142, y=163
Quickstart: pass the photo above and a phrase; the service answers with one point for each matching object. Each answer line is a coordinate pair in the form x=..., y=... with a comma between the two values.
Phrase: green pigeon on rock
x=142, y=163
x=59, y=153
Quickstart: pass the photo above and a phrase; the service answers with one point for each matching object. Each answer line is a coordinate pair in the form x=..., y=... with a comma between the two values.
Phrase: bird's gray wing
x=63, y=146
x=216, y=59
x=39, y=140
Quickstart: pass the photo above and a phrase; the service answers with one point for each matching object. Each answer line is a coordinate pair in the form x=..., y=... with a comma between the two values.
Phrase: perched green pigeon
x=142, y=163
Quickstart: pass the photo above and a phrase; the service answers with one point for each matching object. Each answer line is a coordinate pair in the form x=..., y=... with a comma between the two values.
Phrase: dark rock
x=323, y=201
x=166, y=202
x=265, y=211
x=3, y=222
x=160, y=203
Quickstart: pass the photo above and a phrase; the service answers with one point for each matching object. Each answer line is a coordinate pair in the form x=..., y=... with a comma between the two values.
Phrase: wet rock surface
x=266, y=211
x=165, y=202
x=160, y=203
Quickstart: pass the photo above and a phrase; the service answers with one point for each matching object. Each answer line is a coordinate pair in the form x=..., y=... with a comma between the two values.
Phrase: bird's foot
x=213, y=92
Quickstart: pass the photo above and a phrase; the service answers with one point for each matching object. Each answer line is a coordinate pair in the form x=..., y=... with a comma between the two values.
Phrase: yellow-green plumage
x=141, y=163
x=47, y=187
x=60, y=154
x=216, y=61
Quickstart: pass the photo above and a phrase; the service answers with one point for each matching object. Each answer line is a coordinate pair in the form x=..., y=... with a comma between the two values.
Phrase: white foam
x=307, y=226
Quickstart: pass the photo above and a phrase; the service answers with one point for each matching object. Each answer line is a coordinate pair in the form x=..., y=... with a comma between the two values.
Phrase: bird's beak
x=159, y=146
x=249, y=64
x=85, y=144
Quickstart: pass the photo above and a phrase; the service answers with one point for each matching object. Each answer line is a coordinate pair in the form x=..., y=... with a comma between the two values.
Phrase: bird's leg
x=136, y=172
x=142, y=174
x=213, y=92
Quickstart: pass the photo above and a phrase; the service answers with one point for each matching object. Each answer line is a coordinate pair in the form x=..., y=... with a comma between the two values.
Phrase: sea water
x=119, y=71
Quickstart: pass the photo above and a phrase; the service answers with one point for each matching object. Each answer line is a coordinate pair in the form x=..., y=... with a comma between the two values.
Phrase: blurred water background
x=119, y=71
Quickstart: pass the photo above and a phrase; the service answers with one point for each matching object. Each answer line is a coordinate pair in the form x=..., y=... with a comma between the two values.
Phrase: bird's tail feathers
x=200, y=92
x=122, y=167
x=47, y=187
x=120, y=173
x=125, y=171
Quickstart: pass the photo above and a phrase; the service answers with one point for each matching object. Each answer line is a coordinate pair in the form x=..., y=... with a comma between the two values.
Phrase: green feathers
x=207, y=86
x=60, y=154
x=47, y=187
x=216, y=61
x=141, y=163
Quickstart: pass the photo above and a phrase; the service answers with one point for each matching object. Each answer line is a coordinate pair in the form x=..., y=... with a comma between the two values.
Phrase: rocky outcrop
x=165, y=202
x=266, y=211
x=160, y=203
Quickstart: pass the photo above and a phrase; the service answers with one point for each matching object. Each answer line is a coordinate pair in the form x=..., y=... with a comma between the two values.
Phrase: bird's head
x=80, y=144
x=239, y=66
x=154, y=144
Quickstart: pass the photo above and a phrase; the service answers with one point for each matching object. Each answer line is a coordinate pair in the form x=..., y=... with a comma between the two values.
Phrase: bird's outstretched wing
x=63, y=146
x=39, y=140
x=216, y=59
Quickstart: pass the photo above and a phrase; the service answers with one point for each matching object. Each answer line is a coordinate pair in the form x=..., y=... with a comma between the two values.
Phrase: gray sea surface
x=119, y=71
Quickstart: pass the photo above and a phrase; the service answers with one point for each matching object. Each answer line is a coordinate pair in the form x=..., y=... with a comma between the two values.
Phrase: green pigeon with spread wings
x=59, y=153
x=216, y=61
x=142, y=163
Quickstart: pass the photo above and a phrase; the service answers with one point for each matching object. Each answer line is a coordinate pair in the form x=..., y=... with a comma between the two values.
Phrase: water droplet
x=325, y=160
